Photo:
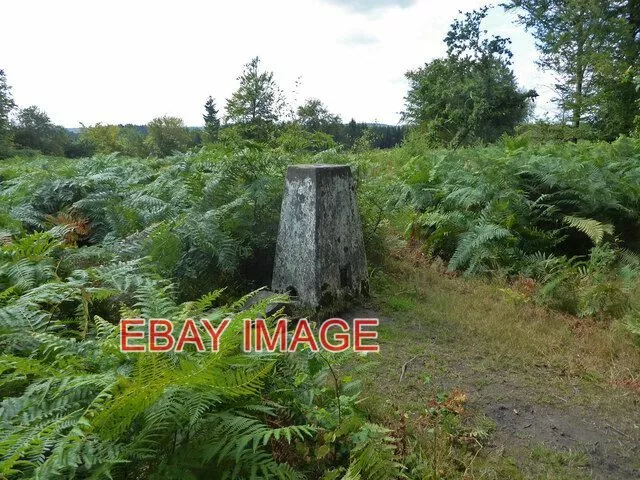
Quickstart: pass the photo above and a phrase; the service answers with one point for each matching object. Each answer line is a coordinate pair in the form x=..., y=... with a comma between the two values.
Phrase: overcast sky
x=127, y=61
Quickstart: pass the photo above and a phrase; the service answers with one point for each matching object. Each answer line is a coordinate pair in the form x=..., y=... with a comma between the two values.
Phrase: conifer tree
x=211, y=121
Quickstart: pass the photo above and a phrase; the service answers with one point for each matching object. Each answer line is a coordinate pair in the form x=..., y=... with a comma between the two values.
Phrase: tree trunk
x=580, y=69
x=577, y=107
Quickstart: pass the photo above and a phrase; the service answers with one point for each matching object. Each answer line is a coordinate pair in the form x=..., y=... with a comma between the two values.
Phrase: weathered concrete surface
x=320, y=251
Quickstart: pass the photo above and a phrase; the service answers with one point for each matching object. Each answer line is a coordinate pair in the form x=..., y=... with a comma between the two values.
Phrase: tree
x=257, y=103
x=472, y=94
x=102, y=138
x=617, y=100
x=6, y=106
x=579, y=40
x=127, y=139
x=167, y=135
x=352, y=133
x=33, y=129
x=130, y=140
x=314, y=116
x=211, y=120
x=294, y=139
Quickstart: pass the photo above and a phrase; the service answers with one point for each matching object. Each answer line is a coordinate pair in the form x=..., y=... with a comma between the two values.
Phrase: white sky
x=120, y=61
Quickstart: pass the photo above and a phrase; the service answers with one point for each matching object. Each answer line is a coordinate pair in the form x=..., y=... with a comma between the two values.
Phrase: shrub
x=294, y=139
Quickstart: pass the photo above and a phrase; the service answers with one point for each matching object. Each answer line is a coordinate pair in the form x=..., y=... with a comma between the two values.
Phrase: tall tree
x=314, y=116
x=211, y=120
x=33, y=129
x=577, y=40
x=617, y=100
x=6, y=106
x=257, y=103
x=472, y=94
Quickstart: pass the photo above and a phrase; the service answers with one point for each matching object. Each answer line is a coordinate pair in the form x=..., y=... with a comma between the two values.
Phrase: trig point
x=320, y=251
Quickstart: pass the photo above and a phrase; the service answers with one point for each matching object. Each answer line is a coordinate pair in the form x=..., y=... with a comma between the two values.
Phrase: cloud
x=359, y=38
x=364, y=6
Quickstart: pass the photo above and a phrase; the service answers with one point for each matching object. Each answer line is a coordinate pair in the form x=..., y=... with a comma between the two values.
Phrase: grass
x=542, y=375
x=560, y=464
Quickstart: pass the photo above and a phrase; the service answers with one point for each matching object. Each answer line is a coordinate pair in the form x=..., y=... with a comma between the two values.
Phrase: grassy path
x=487, y=385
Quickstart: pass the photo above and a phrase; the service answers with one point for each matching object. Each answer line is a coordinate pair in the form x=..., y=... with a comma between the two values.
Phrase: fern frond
x=593, y=229
x=472, y=246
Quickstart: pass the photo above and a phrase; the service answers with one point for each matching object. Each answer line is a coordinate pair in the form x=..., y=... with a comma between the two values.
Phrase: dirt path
x=531, y=412
x=548, y=385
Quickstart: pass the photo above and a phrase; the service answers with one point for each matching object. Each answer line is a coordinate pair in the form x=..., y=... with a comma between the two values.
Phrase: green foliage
x=365, y=142
x=211, y=121
x=76, y=406
x=209, y=220
x=103, y=138
x=167, y=135
x=633, y=324
x=594, y=229
x=294, y=139
x=540, y=132
x=470, y=96
x=381, y=211
x=131, y=141
x=375, y=135
x=601, y=286
x=314, y=116
x=617, y=101
x=591, y=47
x=257, y=103
x=34, y=130
x=549, y=212
x=88, y=242
x=6, y=106
x=83, y=408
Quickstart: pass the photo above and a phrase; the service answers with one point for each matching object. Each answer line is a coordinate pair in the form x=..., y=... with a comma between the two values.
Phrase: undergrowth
x=563, y=217
x=86, y=242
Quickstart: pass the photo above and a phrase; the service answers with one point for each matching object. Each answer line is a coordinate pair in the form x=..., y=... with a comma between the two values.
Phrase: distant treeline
x=166, y=135
x=254, y=118
x=34, y=133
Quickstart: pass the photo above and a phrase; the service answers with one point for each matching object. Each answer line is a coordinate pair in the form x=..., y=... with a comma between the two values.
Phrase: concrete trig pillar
x=320, y=251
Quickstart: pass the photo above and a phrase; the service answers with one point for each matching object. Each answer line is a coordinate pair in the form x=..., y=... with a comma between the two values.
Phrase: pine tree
x=211, y=121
